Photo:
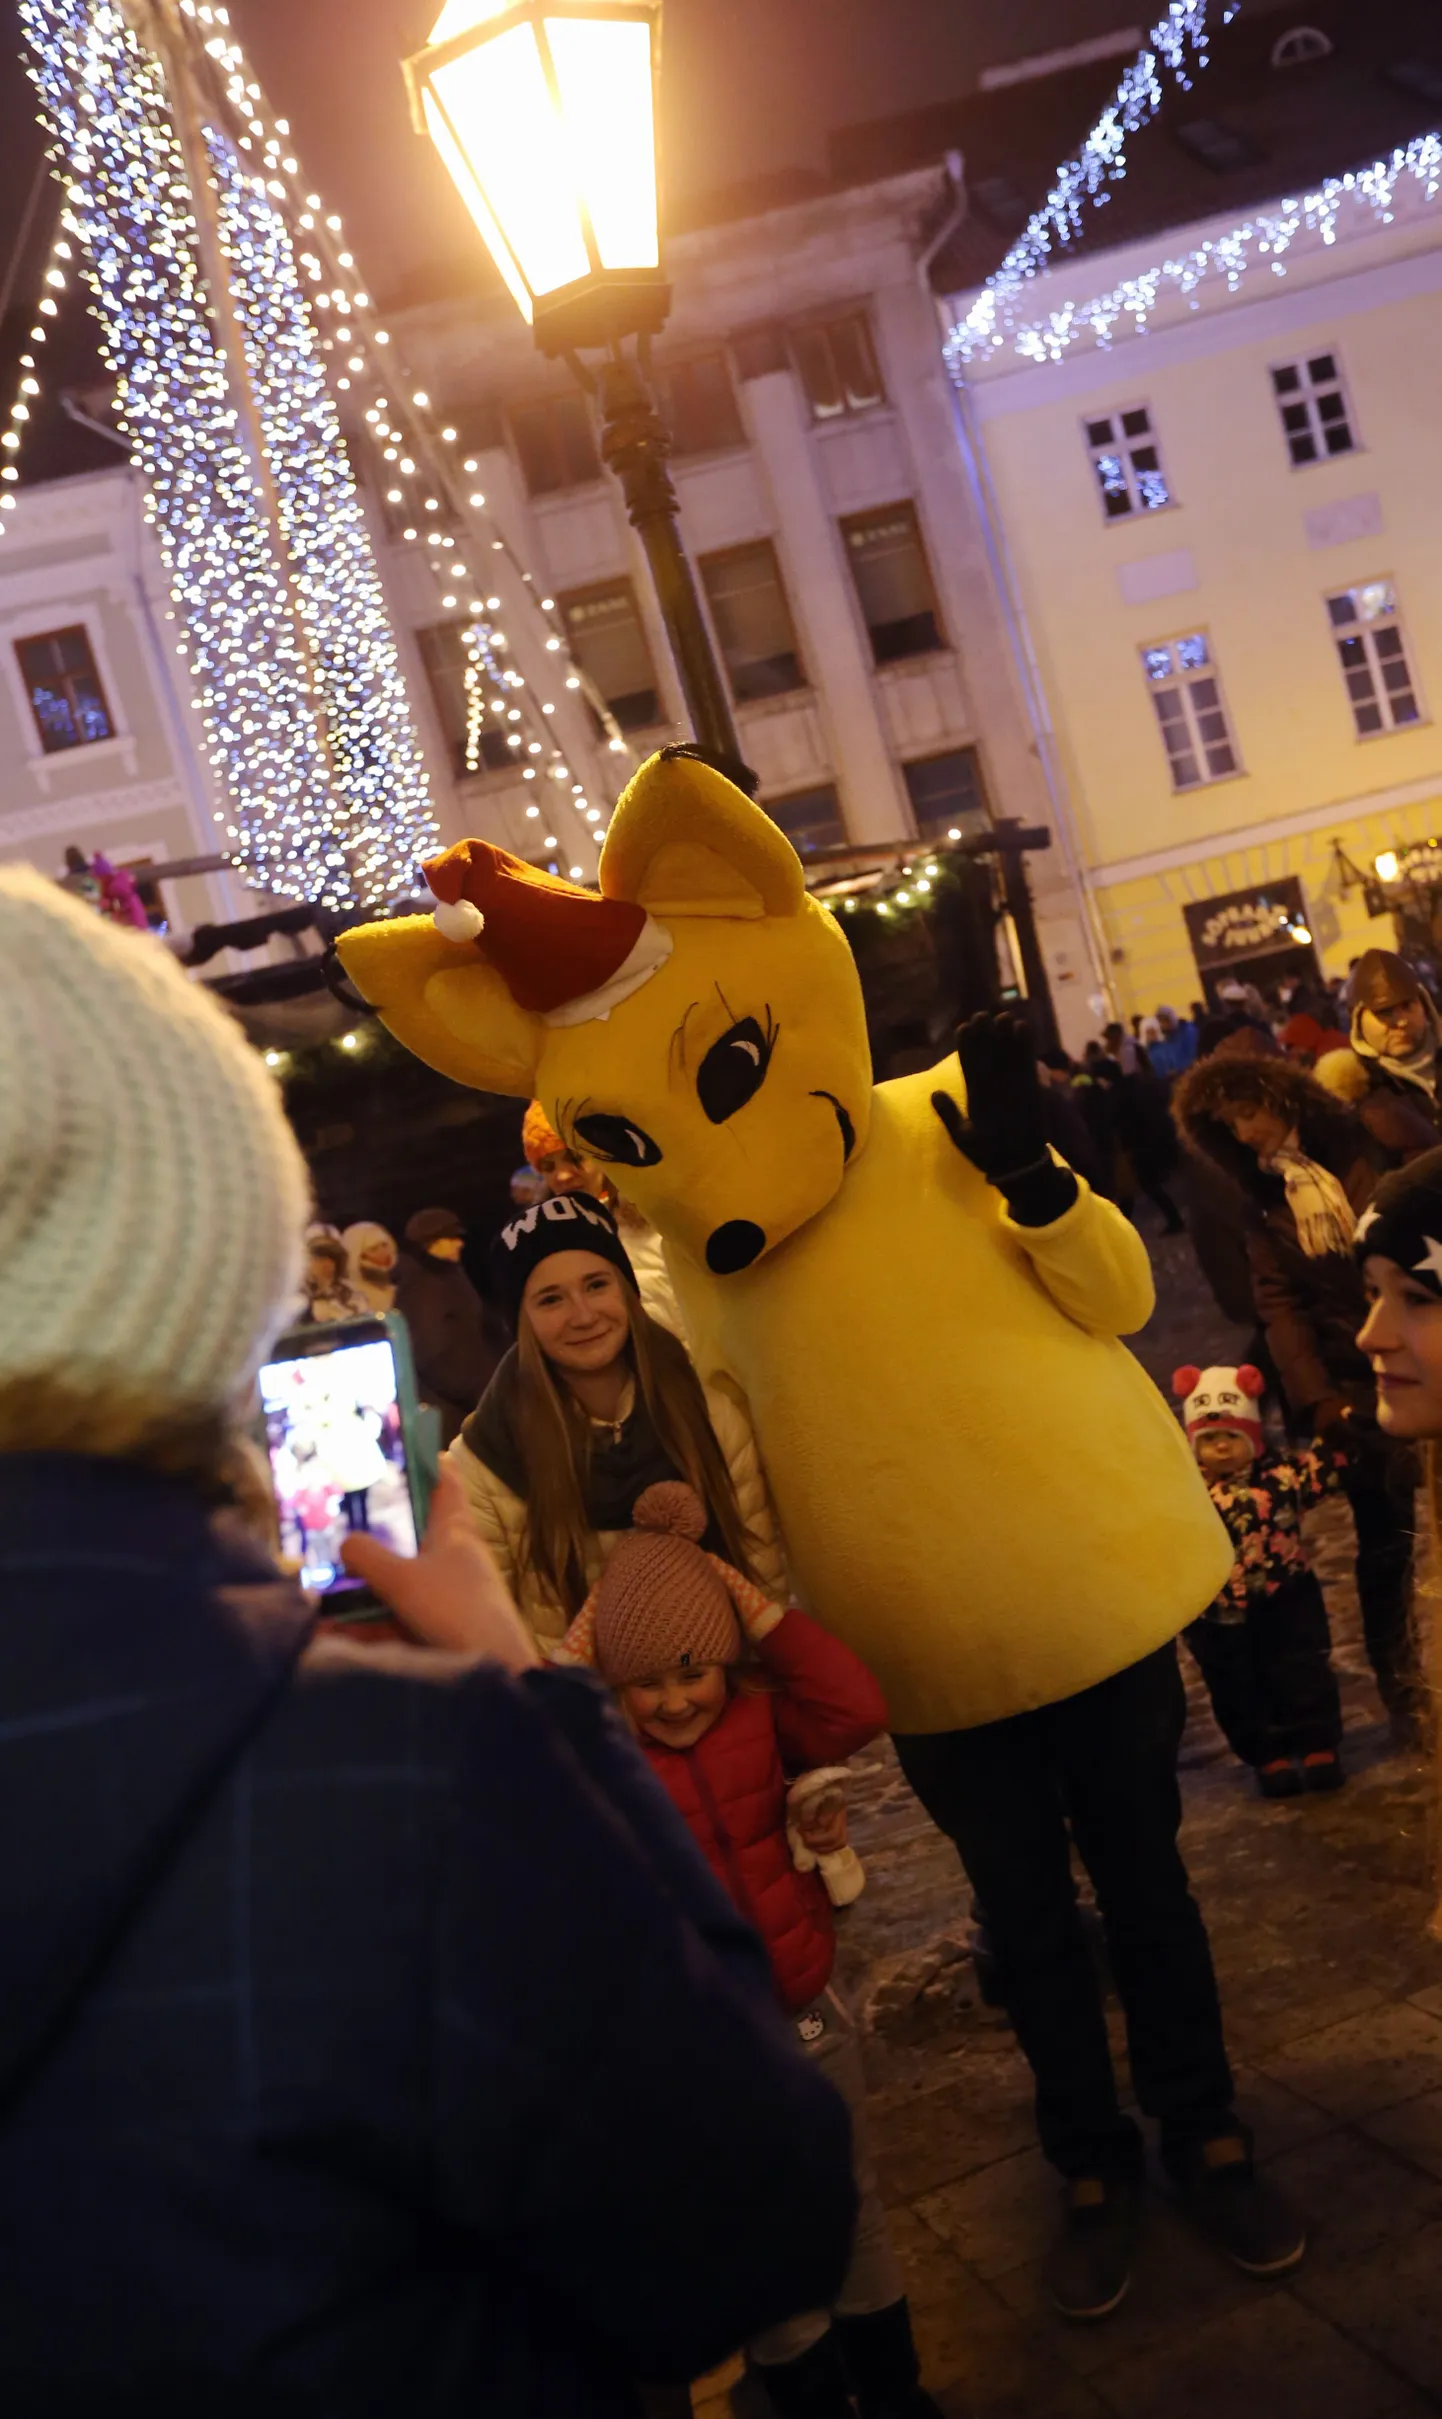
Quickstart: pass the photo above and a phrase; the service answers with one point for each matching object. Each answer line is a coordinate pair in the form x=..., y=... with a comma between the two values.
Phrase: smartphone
x=350, y=1448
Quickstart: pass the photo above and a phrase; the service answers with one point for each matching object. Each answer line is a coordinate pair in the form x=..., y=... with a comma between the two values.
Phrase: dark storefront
x=1256, y=936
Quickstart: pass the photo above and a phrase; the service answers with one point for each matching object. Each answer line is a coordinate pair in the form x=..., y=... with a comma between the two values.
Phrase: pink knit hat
x=660, y=1600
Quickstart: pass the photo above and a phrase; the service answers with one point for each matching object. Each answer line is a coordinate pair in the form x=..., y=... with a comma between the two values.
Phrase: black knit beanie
x=569, y=1222
x=1403, y=1221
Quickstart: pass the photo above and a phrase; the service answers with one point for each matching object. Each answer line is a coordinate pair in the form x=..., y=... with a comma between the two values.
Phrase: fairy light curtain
x=295, y=666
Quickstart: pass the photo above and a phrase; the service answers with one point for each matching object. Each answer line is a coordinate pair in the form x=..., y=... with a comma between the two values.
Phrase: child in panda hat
x=1264, y=1646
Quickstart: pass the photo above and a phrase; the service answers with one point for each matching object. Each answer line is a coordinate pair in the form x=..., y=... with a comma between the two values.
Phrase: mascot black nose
x=734, y=1245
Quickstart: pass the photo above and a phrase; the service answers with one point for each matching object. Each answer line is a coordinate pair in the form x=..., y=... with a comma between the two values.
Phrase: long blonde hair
x=555, y=1438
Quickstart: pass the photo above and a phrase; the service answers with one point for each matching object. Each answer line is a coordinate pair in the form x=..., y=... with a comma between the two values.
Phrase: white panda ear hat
x=1222, y=1398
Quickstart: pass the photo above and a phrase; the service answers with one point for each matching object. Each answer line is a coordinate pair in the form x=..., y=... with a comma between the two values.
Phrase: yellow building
x=1213, y=463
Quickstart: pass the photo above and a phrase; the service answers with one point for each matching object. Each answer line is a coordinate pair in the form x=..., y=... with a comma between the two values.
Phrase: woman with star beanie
x=305, y=2105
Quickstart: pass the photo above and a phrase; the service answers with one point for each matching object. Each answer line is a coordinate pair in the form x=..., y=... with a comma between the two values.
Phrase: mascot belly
x=991, y=1503
x=980, y=1489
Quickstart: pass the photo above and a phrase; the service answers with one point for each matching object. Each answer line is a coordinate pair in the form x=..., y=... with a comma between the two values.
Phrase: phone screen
x=337, y=1459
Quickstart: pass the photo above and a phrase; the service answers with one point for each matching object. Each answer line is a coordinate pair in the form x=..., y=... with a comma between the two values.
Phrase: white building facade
x=825, y=504
x=98, y=745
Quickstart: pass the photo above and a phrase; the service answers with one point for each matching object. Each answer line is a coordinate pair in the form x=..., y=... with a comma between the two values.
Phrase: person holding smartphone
x=353, y=2003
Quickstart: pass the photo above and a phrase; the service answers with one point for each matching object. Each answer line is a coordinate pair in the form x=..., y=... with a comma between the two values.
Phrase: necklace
x=613, y=1427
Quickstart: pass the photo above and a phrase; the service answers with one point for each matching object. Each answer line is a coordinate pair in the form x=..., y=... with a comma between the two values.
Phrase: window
x=698, y=405
x=66, y=698
x=1312, y=400
x=1373, y=658
x=753, y=621
x=946, y=794
x=893, y=584
x=447, y=660
x=811, y=819
x=609, y=643
x=837, y=366
x=1189, y=708
x=1128, y=467
x=556, y=443
x=1302, y=43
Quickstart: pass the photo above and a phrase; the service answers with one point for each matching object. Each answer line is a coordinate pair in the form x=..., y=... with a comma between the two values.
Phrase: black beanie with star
x=1403, y=1221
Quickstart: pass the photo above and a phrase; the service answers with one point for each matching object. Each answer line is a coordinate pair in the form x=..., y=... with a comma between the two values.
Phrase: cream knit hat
x=152, y=1195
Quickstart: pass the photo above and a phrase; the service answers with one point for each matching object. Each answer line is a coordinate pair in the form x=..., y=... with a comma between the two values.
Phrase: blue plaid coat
x=372, y=2038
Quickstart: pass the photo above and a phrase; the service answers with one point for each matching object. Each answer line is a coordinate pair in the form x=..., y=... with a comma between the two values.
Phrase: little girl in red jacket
x=725, y=1740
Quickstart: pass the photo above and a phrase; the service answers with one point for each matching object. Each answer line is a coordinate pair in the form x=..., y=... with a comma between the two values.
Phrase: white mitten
x=840, y=1868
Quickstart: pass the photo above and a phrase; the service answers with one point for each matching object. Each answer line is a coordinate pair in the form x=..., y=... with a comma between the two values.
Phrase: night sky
x=750, y=86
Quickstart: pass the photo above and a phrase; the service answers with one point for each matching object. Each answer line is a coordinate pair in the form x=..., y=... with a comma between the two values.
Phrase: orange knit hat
x=539, y=1139
x=660, y=1600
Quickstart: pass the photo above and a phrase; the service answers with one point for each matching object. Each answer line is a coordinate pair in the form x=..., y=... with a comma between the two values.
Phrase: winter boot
x=813, y=2387
x=1090, y=2268
x=1244, y=2213
x=1323, y=1769
x=881, y=2359
x=1279, y=1777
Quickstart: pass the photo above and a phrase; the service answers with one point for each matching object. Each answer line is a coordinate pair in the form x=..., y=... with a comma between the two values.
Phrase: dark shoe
x=881, y=2361
x=1323, y=1770
x=813, y=2387
x=1279, y=1778
x=1244, y=2214
x=1091, y=2263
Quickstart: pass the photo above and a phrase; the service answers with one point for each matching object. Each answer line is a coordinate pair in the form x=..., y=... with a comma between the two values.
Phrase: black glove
x=1004, y=1133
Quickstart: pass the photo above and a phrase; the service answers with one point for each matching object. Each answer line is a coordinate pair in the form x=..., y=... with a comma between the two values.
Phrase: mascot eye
x=617, y=1138
x=734, y=1069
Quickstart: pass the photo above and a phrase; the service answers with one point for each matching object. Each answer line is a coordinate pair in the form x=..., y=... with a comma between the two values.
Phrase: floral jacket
x=1263, y=1516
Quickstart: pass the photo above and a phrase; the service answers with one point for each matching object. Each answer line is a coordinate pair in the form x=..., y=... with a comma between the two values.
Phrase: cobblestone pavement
x=1318, y=1910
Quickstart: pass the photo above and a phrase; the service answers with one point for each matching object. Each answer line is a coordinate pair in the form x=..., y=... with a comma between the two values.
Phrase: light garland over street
x=1176, y=45
x=1340, y=206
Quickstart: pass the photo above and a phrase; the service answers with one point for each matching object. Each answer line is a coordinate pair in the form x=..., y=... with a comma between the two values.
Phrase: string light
x=1338, y=207
x=27, y=386
x=301, y=774
x=1177, y=44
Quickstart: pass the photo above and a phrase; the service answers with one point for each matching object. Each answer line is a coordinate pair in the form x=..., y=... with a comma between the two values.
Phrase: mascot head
x=698, y=1027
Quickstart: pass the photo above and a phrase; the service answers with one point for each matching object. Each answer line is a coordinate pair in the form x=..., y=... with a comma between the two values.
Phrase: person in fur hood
x=1389, y=1070
x=1306, y=1167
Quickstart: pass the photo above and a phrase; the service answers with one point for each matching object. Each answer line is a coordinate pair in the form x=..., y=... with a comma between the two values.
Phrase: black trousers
x=1105, y=1763
x=1270, y=1677
x=1382, y=1515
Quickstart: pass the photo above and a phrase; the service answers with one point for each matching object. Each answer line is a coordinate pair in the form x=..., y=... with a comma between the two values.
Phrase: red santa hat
x=564, y=953
x=1222, y=1398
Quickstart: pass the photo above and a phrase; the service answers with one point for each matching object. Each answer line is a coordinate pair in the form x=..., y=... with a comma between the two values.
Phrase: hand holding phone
x=450, y=1594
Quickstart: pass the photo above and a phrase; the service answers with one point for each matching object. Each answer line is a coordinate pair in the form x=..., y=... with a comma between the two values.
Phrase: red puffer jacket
x=731, y=1790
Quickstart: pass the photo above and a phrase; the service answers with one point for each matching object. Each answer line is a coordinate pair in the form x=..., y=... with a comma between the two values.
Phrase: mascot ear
x=684, y=841
x=445, y=1004
x=1183, y=1380
x=1251, y=1381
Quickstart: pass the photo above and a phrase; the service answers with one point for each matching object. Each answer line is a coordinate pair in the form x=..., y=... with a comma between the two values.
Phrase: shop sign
x=1246, y=923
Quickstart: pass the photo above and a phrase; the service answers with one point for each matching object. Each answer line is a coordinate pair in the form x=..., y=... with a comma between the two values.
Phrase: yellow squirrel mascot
x=980, y=1489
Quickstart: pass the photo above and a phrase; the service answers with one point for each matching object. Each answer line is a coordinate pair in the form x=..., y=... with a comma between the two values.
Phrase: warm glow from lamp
x=546, y=124
x=1385, y=866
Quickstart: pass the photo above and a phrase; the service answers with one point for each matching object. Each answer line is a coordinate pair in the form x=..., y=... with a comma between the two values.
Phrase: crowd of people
x=451, y=2025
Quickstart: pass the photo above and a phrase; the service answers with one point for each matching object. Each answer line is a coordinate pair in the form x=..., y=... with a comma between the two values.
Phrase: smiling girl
x=594, y=1403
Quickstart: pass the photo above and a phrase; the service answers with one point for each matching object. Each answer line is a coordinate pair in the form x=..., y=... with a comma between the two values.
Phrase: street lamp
x=544, y=112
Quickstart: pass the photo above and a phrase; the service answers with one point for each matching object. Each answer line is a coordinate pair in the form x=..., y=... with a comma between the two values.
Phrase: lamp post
x=544, y=112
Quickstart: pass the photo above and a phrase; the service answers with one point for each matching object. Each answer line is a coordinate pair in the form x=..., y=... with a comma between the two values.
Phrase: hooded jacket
x=730, y=1789
x=1311, y=1308
x=1399, y=1108
x=339, y=1995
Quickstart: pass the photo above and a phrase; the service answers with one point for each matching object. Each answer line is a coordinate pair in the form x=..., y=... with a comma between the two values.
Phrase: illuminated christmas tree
x=222, y=392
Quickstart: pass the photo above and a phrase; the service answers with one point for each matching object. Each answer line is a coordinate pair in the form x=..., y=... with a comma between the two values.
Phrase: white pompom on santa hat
x=1222, y=1398
x=565, y=953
